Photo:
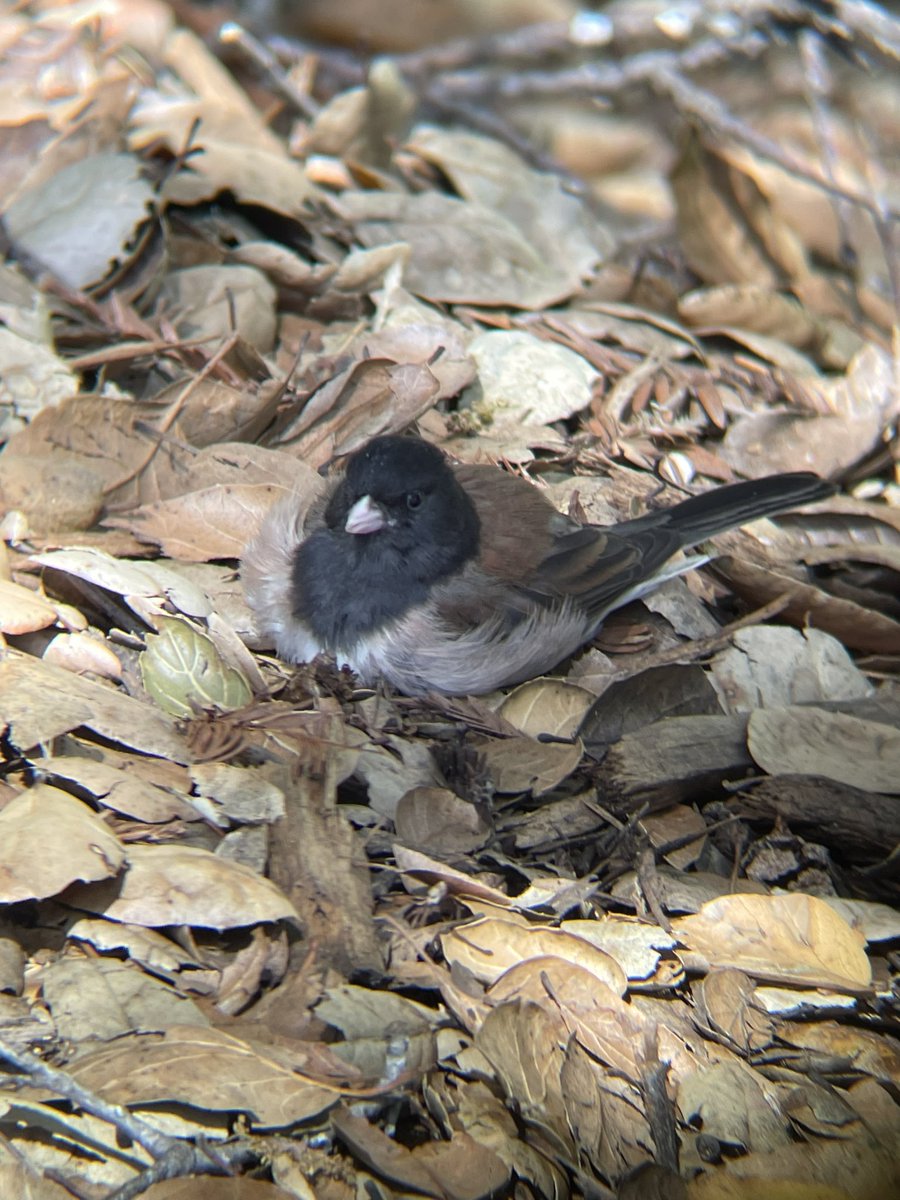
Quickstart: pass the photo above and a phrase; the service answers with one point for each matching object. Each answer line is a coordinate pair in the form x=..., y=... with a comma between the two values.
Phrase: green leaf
x=184, y=673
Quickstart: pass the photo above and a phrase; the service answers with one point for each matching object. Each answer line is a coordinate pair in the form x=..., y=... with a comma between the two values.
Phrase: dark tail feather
x=723, y=508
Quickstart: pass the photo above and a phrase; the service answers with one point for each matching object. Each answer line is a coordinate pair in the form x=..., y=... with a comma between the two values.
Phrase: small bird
x=461, y=579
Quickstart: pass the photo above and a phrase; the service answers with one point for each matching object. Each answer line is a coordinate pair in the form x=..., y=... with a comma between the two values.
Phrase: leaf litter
x=622, y=930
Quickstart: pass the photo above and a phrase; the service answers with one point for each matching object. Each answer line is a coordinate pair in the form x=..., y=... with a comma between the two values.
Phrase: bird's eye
x=413, y=500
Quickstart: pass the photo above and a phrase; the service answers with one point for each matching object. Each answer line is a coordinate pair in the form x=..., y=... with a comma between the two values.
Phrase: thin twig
x=172, y=414
x=55, y=1080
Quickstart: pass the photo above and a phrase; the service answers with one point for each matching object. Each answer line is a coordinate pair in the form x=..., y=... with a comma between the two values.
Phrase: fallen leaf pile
x=629, y=931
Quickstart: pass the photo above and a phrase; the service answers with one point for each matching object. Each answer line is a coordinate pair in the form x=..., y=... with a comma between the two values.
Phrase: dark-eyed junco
x=462, y=579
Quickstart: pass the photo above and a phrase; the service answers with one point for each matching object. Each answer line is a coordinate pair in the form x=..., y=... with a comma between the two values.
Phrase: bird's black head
x=398, y=523
x=400, y=494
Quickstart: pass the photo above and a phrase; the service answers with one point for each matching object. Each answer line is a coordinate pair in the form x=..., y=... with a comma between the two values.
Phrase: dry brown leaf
x=823, y=1170
x=639, y=329
x=735, y=1105
x=557, y=223
x=480, y=258
x=768, y=666
x=727, y=1003
x=22, y=610
x=123, y=791
x=811, y=741
x=673, y=825
x=629, y=704
x=748, y=308
x=857, y=408
x=84, y=653
x=876, y=922
x=436, y=819
x=107, y=440
x=70, y=496
x=372, y=397
x=794, y=939
x=522, y=764
x=420, y=866
x=460, y=1169
x=98, y=999
x=604, y=1023
x=484, y=1115
x=546, y=706
x=204, y=525
x=215, y=301
x=49, y=840
x=857, y=627
x=39, y=702
x=491, y=946
x=523, y=1043
x=17, y=1179
x=205, y=1068
x=184, y=885
x=80, y=221
x=727, y=227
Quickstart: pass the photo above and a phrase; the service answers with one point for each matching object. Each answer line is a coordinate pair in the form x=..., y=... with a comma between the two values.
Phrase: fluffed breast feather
x=268, y=561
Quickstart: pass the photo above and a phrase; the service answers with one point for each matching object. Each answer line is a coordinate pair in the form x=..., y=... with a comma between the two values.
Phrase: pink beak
x=365, y=517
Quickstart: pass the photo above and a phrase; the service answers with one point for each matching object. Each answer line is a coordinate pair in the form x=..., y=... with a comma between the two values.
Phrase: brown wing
x=598, y=568
x=526, y=542
x=516, y=521
x=548, y=557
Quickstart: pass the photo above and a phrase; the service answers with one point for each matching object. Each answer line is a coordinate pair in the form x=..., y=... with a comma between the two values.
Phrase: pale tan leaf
x=33, y=376
x=22, y=610
x=70, y=496
x=491, y=946
x=17, y=1180
x=120, y=789
x=214, y=301
x=98, y=999
x=524, y=379
x=547, y=706
x=184, y=885
x=635, y=945
x=791, y=939
x=200, y=526
x=40, y=701
x=49, y=840
x=205, y=1068
x=488, y=171
x=84, y=653
x=420, y=866
x=435, y=819
x=769, y=666
x=811, y=741
x=480, y=258
x=79, y=221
